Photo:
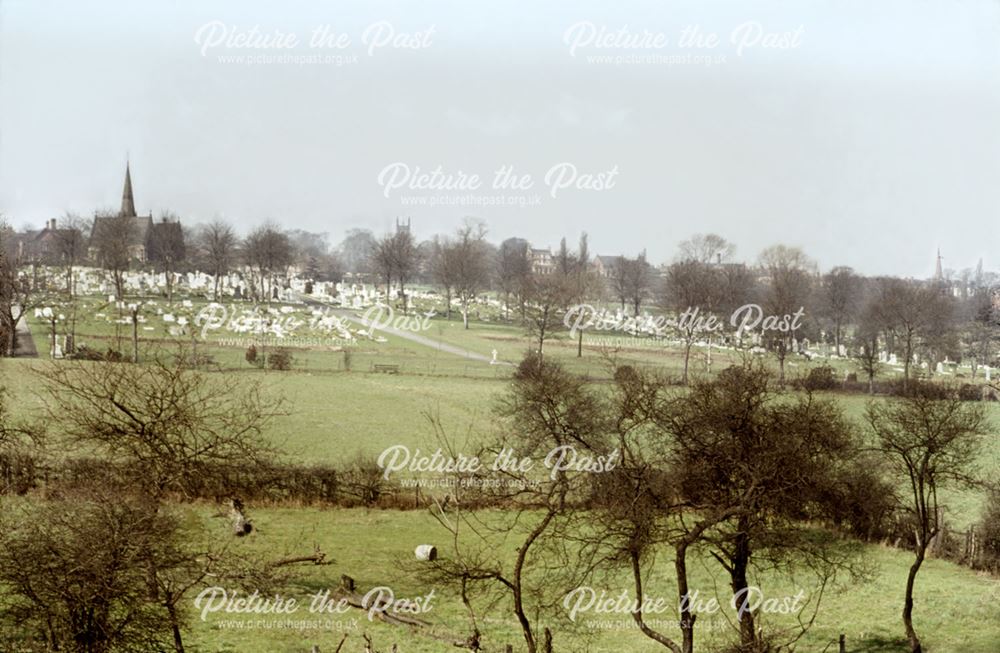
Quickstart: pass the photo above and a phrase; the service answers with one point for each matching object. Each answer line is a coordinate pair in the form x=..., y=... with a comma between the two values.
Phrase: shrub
x=87, y=354
x=969, y=392
x=280, y=359
x=989, y=531
x=251, y=354
x=820, y=378
x=113, y=356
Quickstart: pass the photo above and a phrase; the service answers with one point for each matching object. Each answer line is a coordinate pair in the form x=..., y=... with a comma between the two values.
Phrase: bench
x=387, y=369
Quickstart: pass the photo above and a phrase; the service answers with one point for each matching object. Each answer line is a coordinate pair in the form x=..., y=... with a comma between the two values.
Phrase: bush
x=87, y=354
x=251, y=354
x=113, y=356
x=969, y=392
x=820, y=378
x=280, y=359
x=989, y=532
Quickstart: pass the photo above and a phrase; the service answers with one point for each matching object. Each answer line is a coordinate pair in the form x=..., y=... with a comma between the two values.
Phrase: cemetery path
x=410, y=335
x=25, y=343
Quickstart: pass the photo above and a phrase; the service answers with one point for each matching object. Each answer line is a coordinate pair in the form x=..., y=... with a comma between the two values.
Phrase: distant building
x=46, y=246
x=542, y=261
x=605, y=265
x=143, y=232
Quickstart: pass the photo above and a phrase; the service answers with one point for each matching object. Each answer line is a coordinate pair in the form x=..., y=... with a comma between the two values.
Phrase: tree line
x=953, y=318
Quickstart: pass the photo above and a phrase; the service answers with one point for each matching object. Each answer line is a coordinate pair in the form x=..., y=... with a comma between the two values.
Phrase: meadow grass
x=335, y=415
x=957, y=610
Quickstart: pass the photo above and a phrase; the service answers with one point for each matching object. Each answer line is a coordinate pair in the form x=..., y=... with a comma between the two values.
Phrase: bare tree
x=165, y=423
x=691, y=290
x=406, y=261
x=383, y=261
x=932, y=439
x=752, y=463
x=471, y=262
x=912, y=312
x=17, y=292
x=269, y=253
x=444, y=268
x=513, y=271
x=75, y=571
x=707, y=248
x=356, y=250
x=631, y=281
x=547, y=297
x=839, y=289
x=113, y=238
x=545, y=409
x=166, y=249
x=218, y=244
x=980, y=329
x=789, y=284
x=70, y=245
x=396, y=257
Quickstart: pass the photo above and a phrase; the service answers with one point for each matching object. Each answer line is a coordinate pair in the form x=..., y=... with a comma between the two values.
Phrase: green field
x=335, y=414
x=958, y=611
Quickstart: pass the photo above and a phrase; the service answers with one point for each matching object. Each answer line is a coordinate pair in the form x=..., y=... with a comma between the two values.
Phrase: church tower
x=938, y=273
x=128, y=204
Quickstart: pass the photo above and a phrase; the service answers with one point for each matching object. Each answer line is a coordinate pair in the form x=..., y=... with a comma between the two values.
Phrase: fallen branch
x=318, y=558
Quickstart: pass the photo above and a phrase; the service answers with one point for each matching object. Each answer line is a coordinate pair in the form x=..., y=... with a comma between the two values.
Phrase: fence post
x=843, y=644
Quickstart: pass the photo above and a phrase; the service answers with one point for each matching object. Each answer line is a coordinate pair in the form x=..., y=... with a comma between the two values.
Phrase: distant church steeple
x=128, y=204
x=938, y=273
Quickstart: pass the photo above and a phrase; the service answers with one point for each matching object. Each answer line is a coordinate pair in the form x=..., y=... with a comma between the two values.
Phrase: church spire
x=938, y=273
x=128, y=204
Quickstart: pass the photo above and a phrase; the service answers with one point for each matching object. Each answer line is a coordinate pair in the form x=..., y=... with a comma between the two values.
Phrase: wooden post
x=843, y=644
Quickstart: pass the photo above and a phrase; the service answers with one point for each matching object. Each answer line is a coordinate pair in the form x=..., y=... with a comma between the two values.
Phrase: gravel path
x=25, y=343
x=409, y=335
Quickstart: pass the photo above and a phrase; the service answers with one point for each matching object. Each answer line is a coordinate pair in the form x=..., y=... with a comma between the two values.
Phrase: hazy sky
x=867, y=133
